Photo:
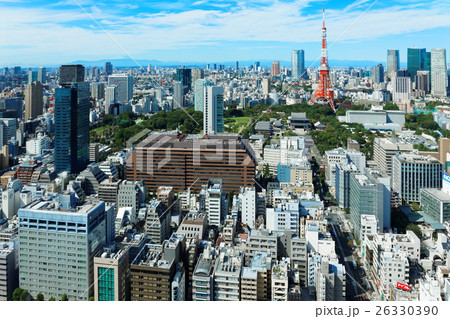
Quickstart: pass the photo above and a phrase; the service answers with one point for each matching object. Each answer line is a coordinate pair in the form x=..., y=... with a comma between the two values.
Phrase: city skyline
x=224, y=30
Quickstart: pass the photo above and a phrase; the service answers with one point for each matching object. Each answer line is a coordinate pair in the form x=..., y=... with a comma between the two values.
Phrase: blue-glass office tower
x=184, y=76
x=416, y=61
x=72, y=127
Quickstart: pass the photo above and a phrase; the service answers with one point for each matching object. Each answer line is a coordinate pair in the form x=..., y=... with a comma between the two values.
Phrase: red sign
x=403, y=286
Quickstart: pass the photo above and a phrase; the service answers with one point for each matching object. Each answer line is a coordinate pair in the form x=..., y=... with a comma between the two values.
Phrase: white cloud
x=58, y=33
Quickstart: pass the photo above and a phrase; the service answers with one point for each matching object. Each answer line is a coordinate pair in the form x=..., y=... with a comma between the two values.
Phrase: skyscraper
x=108, y=68
x=32, y=76
x=298, y=64
x=124, y=83
x=213, y=110
x=393, y=63
x=199, y=93
x=34, y=102
x=378, y=73
x=110, y=96
x=237, y=66
x=416, y=61
x=71, y=73
x=72, y=127
x=438, y=72
x=275, y=68
x=178, y=95
x=184, y=76
x=42, y=75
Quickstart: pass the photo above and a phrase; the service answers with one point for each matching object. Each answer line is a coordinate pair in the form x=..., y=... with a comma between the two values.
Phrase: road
x=356, y=284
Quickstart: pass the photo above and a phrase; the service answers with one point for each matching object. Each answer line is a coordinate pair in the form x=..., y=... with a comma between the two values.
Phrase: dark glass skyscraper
x=72, y=127
x=393, y=63
x=71, y=73
x=184, y=76
x=416, y=61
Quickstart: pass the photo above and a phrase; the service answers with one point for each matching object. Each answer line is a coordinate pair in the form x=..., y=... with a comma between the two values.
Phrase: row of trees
x=20, y=294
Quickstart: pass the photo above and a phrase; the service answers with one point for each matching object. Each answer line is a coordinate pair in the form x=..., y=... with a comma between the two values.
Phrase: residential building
x=214, y=202
x=280, y=280
x=393, y=63
x=261, y=240
x=203, y=276
x=227, y=274
x=194, y=226
x=9, y=272
x=157, y=224
x=256, y=279
x=330, y=281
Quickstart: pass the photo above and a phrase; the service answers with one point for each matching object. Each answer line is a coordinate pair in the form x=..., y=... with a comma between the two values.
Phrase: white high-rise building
x=178, y=95
x=213, y=110
x=402, y=88
x=247, y=198
x=200, y=86
x=266, y=86
x=439, y=80
x=214, y=202
x=124, y=84
x=110, y=96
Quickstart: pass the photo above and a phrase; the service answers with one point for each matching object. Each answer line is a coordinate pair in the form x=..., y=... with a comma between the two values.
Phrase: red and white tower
x=324, y=92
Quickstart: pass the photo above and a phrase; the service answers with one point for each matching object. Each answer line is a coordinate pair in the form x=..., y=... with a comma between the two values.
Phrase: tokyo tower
x=324, y=93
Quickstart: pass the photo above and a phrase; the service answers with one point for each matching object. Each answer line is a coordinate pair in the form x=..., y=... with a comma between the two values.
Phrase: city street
x=356, y=285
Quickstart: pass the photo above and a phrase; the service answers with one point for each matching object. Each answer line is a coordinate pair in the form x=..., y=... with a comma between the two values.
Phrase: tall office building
x=124, y=83
x=439, y=79
x=378, y=73
x=298, y=64
x=275, y=68
x=411, y=172
x=57, y=244
x=393, y=63
x=32, y=76
x=71, y=73
x=72, y=127
x=108, y=68
x=237, y=66
x=213, y=110
x=34, y=102
x=402, y=88
x=370, y=194
x=416, y=61
x=98, y=90
x=42, y=75
x=197, y=74
x=422, y=81
x=184, y=76
x=111, y=96
x=178, y=95
x=384, y=149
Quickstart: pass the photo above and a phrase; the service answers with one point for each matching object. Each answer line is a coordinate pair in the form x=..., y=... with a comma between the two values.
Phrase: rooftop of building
x=53, y=206
x=152, y=256
x=439, y=194
x=194, y=218
x=229, y=261
x=183, y=141
x=416, y=158
x=111, y=252
x=392, y=143
x=261, y=261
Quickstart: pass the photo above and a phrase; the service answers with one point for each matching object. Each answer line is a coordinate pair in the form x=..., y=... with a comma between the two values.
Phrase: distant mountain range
x=125, y=62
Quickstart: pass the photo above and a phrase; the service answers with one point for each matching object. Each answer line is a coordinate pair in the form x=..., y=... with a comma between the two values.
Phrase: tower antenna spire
x=324, y=92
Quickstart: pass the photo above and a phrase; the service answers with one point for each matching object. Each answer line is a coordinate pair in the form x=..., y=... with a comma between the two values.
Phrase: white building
x=213, y=110
x=124, y=83
x=213, y=202
x=286, y=216
x=280, y=280
x=38, y=145
x=439, y=79
x=247, y=199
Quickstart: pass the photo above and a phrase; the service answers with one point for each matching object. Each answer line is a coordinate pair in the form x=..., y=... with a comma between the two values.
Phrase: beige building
x=34, y=102
x=194, y=225
x=384, y=149
x=255, y=280
x=111, y=275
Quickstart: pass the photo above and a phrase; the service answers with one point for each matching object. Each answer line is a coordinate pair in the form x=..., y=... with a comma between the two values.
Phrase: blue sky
x=55, y=32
